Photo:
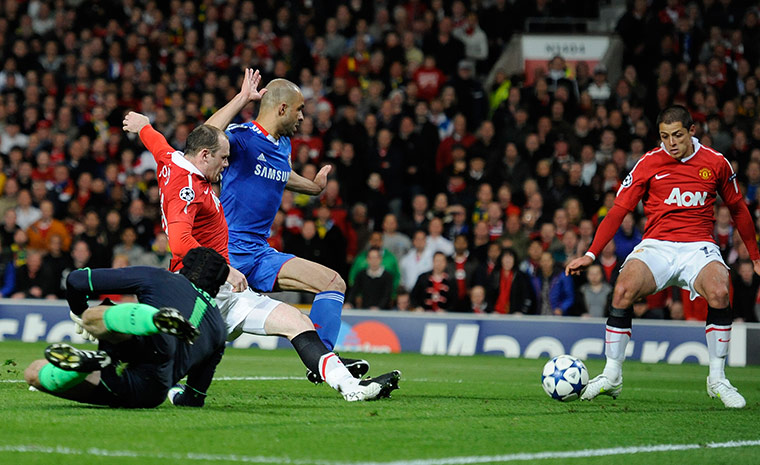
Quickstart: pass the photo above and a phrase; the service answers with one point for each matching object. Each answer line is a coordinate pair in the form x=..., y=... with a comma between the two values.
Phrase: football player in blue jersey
x=252, y=189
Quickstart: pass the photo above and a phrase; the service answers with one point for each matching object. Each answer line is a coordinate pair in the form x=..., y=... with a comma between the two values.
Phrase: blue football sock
x=325, y=314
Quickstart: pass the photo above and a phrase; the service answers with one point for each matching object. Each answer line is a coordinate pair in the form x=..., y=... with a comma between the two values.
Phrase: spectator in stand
x=26, y=212
x=159, y=254
x=417, y=261
x=9, y=199
x=129, y=247
x=388, y=260
x=418, y=218
x=436, y=242
x=458, y=224
x=494, y=219
x=373, y=287
x=481, y=240
x=96, y=239
x=745, y=285
x=33, y=281
x=471, y=96
x=397, y=243
x=459, y=137
x=435, y=290
x=42, y=230
x=7, y=271
x=627, y=237
x=477, y=300
x=554, y=291
x=429, y=79
x=143, y=227
x=462, y=267
x=403, y=301
x=487, y=265
x=57, y=262
x=509, y=290
x=547, y=233
x=610, y=263
x=447, y=49
x=596, y=293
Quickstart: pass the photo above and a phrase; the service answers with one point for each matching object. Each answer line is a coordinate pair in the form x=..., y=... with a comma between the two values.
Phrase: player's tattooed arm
x=249, y=92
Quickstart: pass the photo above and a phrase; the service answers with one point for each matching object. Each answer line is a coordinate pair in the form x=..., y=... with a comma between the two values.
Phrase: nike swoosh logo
x=723, y=340
x=206, y=191
x=660, y=176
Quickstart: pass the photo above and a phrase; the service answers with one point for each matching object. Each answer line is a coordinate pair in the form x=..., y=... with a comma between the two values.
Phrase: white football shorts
x=244, y=311
x=675, y=263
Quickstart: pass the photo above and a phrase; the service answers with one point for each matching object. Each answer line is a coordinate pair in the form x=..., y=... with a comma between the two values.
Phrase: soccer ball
x=564, y=377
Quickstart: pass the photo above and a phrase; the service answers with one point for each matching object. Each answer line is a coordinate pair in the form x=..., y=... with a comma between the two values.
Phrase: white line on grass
x=60, y=450
x=268, y=378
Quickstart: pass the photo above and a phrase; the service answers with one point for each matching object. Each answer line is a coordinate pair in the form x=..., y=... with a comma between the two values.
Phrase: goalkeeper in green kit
x=174, y=331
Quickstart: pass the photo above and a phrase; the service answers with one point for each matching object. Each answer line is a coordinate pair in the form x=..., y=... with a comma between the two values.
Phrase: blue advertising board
x=653, y=341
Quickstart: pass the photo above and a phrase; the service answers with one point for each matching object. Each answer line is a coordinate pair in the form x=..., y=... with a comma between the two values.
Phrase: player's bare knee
x=622, y=297
x=336, y=283
x=31, y=374
x=306, y=322
x=717, y=298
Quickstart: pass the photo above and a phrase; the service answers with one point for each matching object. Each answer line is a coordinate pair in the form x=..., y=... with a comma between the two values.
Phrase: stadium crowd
x=445, y=195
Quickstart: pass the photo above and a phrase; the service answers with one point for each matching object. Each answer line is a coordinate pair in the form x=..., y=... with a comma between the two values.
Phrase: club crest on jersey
x=705, y=173
x=187, y=194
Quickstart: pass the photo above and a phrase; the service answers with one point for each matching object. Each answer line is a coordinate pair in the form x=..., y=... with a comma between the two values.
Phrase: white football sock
x=615, y=342
x=717, y=337
x=332, y=370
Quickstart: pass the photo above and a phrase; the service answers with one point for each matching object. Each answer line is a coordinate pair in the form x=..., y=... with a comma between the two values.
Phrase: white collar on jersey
x=695, y=143
x=178, y=158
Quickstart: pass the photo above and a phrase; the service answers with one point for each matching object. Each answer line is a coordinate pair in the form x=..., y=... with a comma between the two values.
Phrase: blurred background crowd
x=449, y=191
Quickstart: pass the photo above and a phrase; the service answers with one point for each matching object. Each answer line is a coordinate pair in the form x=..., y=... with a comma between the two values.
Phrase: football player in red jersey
x=192, y=215
x=678, y=183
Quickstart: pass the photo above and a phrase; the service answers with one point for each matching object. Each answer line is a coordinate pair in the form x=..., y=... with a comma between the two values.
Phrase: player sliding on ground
x=174, y=331
x=192, y=215
x=678, y=183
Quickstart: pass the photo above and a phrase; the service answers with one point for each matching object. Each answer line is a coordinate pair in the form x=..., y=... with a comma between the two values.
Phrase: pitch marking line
x=60, y=450
x=267, y=378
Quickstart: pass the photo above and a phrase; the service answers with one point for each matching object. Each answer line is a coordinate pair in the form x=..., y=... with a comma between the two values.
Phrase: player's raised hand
x=321, y=178
x=237, y=279
x=134, y=122
x=579, y=264
x=756, y=265
x=250, y=87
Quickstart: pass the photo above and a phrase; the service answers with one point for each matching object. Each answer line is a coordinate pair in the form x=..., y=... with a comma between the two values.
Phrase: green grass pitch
x=449, y=410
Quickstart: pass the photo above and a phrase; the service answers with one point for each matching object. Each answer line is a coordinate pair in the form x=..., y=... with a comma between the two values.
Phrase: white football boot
x=372, y=388
x=602, y=385
x=723, y=390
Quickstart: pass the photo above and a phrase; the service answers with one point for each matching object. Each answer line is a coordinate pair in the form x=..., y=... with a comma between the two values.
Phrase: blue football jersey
x=253, y=184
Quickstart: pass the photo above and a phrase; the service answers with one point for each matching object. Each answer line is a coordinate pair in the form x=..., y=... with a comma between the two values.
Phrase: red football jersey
x=186, y=197
x=679, y=195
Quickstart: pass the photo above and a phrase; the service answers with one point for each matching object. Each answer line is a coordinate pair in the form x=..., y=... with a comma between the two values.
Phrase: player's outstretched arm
x=134, y=122
x=298, y=183
x=577, y=265
x=249, y=92
x=746, y=227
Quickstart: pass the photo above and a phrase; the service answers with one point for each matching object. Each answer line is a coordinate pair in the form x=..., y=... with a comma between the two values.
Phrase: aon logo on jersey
x=686, y=198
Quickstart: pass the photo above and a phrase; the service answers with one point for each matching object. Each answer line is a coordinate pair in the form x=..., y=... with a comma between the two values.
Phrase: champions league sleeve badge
x=187, y=194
